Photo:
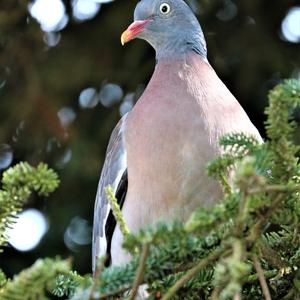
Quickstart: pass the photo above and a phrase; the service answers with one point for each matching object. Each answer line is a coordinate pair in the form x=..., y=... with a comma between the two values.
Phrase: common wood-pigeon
x=158, y=152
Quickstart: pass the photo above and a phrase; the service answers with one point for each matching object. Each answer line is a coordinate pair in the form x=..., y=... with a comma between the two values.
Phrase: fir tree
x=244, y=247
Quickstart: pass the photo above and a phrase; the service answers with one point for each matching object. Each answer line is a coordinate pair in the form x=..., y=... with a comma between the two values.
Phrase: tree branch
x=140, y=271
x=261, y=278
x=192, y=272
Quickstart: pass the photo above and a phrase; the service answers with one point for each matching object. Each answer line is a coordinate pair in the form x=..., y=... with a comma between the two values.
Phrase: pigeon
x=157, y=154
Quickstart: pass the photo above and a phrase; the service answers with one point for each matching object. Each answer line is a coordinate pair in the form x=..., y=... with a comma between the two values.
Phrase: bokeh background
x=65, y=81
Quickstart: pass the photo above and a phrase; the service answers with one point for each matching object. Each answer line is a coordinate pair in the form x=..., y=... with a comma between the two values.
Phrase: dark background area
x=61, y=93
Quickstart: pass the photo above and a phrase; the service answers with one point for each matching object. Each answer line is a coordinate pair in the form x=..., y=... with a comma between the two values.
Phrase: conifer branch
x=36, y=281
x=192, y=272
x=100, y=264
x=18, y=183
x=208, y=256
x=262, y=278
x=116, y=210
x=140, y=271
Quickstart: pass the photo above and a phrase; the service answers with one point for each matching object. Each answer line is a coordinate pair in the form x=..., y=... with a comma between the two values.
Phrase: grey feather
x=114, y=166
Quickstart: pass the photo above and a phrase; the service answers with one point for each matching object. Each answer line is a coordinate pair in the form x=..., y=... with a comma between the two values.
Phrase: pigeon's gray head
x=169, y=26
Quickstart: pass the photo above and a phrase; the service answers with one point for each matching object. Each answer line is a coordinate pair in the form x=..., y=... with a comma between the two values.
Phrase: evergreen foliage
x=66, y=284
x=17, y=185
x=247, y=246
x=37, y=282
x=244, y=247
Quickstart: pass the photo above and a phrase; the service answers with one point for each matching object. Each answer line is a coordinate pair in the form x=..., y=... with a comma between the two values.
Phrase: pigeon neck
x=180, y=63
x=178, y=48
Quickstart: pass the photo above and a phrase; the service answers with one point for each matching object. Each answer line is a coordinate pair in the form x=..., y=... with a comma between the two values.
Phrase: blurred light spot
x=110, y=94
x=6, y=156
x=228, y=12
x=290, y=25
x=88, y=98
x=51, y=144
x=20, y=127
x=27, y=232
x=2, y=83
x=49, y=13
x=250, y=20
x=127, y=104
x=85, y=9
x=4, y=73
x=78, y=233
x=64, y=159
x=66, y=116
x=18, y=131
x=51, y=39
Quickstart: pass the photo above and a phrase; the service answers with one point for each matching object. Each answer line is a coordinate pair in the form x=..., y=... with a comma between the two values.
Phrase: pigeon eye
x=164, y=8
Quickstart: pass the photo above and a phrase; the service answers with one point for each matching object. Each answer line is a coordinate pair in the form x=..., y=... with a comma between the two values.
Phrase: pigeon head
x=169, y=26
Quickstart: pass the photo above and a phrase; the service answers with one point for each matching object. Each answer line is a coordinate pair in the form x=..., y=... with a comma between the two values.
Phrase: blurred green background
x=65, y=81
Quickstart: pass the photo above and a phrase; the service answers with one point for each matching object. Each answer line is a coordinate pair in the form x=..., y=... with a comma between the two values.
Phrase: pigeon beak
x=133, y=30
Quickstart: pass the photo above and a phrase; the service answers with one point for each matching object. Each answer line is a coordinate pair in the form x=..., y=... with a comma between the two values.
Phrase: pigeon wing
x=114, y=173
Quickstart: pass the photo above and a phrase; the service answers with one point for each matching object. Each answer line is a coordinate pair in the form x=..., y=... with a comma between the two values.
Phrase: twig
x=215, y=293
x=225, y=184
x=116, y=210
x=257, y=227
x=242, y=215
x=275, y=188
x=261, y=278
x=267, y=274
x=140, y=271
x=113, y=293
x=192, y=272
x=290, y=295
x=270, y=255
x=99, y=268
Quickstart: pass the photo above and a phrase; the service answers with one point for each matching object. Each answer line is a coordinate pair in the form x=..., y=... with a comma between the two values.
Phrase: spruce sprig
x=244, y=247
x=242, y=241
x=18, y=183
x=36, y=282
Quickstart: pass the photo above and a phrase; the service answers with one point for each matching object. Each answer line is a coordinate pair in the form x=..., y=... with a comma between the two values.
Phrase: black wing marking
x=111, y=221
x=113, y=169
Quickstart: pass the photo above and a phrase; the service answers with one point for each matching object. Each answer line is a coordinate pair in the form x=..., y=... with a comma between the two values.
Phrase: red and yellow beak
x=133, y=30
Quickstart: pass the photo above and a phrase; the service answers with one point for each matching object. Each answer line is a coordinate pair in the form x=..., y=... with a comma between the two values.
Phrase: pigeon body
x=165, y=142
